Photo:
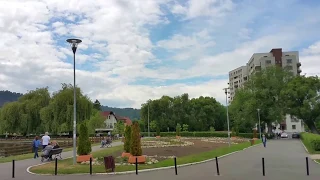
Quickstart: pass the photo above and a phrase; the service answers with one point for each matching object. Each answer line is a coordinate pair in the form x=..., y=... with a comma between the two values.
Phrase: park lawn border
x=30, y=155
x=165, y=164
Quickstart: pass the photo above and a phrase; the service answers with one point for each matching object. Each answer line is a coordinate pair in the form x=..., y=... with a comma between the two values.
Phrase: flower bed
x=165, y=143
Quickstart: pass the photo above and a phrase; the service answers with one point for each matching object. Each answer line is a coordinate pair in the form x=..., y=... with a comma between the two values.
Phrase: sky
x=135, y=50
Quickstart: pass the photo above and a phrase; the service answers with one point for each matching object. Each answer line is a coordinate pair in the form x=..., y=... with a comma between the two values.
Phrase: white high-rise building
x=258, y=61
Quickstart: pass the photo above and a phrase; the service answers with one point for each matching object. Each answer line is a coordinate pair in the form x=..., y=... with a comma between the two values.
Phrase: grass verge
x=66, y=167
x=30, y=155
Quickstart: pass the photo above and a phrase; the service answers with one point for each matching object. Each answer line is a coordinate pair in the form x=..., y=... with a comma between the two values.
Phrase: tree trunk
x=312, y=126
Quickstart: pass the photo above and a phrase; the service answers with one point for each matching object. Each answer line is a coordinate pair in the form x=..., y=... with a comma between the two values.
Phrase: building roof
x=125, y=120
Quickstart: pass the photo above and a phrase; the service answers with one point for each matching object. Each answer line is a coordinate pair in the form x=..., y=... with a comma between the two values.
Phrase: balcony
x=299, y=71
x=298, y=64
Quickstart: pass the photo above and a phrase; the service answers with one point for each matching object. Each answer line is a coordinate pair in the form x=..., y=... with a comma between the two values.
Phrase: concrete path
x=22, y=165
x=284, y=159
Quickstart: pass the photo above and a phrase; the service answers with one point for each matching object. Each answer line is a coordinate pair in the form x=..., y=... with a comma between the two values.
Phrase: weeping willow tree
x=37, y=111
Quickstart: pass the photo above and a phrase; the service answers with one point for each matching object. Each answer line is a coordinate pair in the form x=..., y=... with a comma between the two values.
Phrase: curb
x=305, y=148
x=28, y=169
x=145, y=170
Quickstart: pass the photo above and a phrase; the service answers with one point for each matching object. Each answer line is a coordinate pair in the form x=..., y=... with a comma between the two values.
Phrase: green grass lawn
x=66, y=166
x=30, y=155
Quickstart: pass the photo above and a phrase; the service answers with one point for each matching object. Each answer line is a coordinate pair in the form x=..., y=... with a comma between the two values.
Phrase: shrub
x=136, y=149
x=201, y=134
x=212, y=129
x=178, y=129
x=311, y=141
x=84, y=145
x=158, y=131
x=127, y=139
x=185, y=127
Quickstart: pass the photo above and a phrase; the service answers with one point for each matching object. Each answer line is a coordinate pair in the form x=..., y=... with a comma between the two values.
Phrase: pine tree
x=127, y=140
x=136, y=149
x=84, y=145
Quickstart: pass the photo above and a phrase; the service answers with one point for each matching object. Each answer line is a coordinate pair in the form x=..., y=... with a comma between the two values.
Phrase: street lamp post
x=148, y=122
x=74, y=44
x=228, y=122
x=259, y=122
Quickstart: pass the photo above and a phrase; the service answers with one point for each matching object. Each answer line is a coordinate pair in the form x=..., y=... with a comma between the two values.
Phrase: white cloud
x=117, y=44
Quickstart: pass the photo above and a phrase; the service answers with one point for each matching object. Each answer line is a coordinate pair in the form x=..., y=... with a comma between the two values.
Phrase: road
x=284, y=159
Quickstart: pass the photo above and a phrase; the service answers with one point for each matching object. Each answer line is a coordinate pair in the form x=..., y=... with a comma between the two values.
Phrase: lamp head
x=74, y=44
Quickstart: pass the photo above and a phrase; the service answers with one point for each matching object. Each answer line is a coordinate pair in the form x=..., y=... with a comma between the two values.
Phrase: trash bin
x=252, y=142
x=109, y=163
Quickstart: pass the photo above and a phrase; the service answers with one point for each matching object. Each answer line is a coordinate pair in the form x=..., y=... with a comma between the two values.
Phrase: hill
x=8, y=96
x=131, y=113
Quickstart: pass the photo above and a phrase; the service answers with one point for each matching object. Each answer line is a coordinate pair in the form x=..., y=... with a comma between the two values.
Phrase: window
x=293, y=126
x=289, y=67
x=289, y=61
x=268, y=61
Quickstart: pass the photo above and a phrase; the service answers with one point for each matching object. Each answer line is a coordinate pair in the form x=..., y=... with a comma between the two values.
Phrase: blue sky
x=137, y=50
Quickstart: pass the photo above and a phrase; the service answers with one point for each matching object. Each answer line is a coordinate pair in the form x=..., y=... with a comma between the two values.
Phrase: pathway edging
x=305, y=148
x=145, y=170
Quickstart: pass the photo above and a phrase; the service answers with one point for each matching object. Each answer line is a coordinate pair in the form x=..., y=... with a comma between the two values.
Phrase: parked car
x=295, y=135
x=284, y=135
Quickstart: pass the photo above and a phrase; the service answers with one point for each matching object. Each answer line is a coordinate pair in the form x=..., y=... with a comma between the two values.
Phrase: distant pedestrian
x=264, y=140
x=35, y=145
x=45, y=140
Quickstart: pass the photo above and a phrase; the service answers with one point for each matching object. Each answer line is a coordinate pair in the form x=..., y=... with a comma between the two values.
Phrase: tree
x=96, y=121
x=97, y=105
x=84, y=145
x=119, y=128
x=185, y=127
x=302, y=99
x=262, y=91
x=127, y=140
x=158, y=131
x=178, y=129
x=153, y=125
x=199, y=113
x=136, y=149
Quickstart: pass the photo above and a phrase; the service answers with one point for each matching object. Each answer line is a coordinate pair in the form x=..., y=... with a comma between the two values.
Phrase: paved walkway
x=22, y=165
x=284, y=159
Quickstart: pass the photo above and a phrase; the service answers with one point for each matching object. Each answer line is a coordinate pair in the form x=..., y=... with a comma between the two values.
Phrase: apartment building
x=258, y=61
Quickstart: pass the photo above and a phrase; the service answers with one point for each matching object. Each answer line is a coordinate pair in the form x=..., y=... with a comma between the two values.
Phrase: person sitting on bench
x=55, y=146
x=46, y=150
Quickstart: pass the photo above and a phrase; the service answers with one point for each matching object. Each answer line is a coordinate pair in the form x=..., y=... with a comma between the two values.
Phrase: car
x=284, y=135
x=295, y=135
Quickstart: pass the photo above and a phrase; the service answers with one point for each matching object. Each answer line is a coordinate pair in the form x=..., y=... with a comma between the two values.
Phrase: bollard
x=13, y=167
x=90, y=165
x=263, y=170
x=136, y=165
x=307, y=166
x=175, y=165
x=217, y=165
x=56, y=167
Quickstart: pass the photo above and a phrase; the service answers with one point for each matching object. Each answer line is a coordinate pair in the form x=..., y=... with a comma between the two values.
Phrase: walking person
x=264, y=140
x=45, y=140
x=35, y=145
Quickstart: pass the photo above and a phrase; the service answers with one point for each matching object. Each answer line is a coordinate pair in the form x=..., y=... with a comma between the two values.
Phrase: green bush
x=185, y=127
x=84, y=145
x=311, y=141
x=136, y=149
x=127, y=139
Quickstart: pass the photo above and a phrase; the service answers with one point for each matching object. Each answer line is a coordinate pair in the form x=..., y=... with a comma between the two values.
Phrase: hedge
x=197, y=134
x=311, y=141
